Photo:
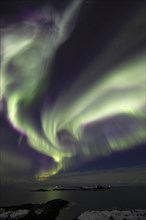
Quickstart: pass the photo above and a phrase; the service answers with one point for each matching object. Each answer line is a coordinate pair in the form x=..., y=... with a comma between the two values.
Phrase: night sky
x=72, y=92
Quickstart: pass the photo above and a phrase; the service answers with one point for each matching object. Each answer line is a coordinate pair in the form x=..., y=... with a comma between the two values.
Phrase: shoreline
x=49, y=210
x=115, y=214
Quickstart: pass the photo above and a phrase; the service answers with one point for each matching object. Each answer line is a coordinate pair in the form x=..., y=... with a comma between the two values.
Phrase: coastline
x=136, y=214
x=51, y=211
x=117, y=199
x=42, y=211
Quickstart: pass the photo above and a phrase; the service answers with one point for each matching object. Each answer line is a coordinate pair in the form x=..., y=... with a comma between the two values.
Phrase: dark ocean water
x=116, y=197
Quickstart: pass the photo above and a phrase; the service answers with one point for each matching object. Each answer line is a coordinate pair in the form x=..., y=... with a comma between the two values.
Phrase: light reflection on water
x=44, y=197
x=8, y=198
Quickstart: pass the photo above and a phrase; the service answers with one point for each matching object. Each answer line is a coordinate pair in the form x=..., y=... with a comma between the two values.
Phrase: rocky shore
x=51, y=209
x=137, y=214
x=45, y=211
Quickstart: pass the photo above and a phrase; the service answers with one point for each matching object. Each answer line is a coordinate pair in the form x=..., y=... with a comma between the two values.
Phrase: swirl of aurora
x=93, y=118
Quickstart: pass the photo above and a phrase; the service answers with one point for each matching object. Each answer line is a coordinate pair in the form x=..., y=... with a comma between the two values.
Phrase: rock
x=138, y=214
x=49, y=210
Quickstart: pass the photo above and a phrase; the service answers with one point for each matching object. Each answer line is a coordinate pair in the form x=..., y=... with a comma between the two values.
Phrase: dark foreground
x=45, y=211
x=50, y=210
x=113, y=215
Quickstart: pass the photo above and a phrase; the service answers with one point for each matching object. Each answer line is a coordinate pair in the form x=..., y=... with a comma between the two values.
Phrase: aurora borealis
x=95, y=112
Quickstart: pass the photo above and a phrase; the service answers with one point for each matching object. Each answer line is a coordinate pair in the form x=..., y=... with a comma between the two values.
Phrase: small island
x=39, y=190
x=85, y=188
x=45, y=211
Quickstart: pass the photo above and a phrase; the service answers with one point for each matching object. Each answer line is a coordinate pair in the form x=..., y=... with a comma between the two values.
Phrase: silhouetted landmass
x=85, y=188
x=39, y=190
x=45, y=211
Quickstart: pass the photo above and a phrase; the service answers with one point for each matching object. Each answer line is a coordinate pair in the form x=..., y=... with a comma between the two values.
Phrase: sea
x=121, y=197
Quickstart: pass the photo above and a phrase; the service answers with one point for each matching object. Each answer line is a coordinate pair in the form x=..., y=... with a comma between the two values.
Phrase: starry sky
x=72, y=92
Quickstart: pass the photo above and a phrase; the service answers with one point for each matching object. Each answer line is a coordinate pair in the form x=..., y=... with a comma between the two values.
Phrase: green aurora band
x=27, y=55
